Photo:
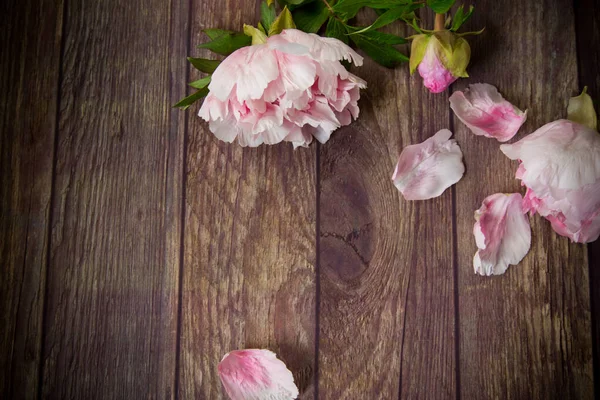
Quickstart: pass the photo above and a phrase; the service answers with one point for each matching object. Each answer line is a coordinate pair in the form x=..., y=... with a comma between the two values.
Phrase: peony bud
x=441, y=58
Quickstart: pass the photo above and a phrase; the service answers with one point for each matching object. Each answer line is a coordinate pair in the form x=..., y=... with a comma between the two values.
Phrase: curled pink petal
x=435, y=76
x=256, y=374
x=560, y=166
x=502, y=234
x=486, y=112
x=292, y=88
x=426, y=169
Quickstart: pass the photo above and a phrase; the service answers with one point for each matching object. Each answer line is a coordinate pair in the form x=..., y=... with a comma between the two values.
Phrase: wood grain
x=587, y=25
x=525, y=334
x=249, y=273
x=115, y=247
x=387, y=286
x=29, y=66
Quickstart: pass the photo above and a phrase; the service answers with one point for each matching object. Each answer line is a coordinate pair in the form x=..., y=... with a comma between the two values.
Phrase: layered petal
x=502, y=233
x=320, y=48
x=486, y=113
x=436, y=76
x=426, y=169
x=256, y=375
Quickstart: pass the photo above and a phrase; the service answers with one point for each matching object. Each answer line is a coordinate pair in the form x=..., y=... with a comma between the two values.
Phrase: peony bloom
x=441, y=58
x=502, y=234
x=486, y=112
x=426, y=169
x=291, y=88
x=560, y=165
x=256, y=374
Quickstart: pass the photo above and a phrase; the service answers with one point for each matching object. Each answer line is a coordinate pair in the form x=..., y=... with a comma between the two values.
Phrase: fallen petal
x=256, y=374
x=486, y=112
x=502, y=233
x=426, y=169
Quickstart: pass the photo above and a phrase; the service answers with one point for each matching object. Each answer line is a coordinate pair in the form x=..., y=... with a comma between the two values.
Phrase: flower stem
x=440, y=21
x=328, y=6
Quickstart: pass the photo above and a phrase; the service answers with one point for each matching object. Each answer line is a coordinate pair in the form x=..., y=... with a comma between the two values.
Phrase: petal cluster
x=560, y=165
x=256, y=374
x=291, y=88
x=426, y=169
x=502, y=233
x=483, y=109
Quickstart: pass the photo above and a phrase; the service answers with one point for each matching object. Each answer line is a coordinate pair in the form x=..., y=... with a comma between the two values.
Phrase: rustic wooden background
x=136, y=249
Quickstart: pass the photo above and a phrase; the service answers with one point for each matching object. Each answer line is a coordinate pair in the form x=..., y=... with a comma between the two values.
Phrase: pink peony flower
x=256, y=374
x=291, y=88
x=502, y=234
x=441, y=58
x=560, y=165
x=486, y=113
x=426, y=169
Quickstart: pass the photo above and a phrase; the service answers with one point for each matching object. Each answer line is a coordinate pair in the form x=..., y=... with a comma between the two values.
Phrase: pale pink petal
x=486, y=112
x=435, y=76
x=213, y=109
x=256, y=375
x=426, y=169
x=502, y=233
x=296, y=73
x=321, y=48
x=226, y=130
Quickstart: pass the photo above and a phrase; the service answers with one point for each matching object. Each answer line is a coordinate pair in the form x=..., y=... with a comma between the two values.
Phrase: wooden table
x=136, y=249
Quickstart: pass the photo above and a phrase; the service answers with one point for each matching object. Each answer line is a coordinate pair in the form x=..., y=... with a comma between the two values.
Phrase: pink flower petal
x=321, y=48
x=435, y=76
x=502, y=233
x=486, y=112
x=426, y=169
x=256, y=374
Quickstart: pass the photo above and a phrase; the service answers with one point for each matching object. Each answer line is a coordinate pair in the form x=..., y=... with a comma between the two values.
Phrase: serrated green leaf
x=460, y=17
x=200, y=83
x=227, y=43
x=311, y=17
x=440, y=6
x=267, y=15
x=191, y=99
x=383, y=54
x=258, y=37
x=390, y=16
x=204, y=65
x=283, y=21
x=581, y=110
x=336, y=29
x=349, y=8
x=214, y=33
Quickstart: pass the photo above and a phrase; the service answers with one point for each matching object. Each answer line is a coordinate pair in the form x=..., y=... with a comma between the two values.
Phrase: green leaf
x=385, y=38
x=200, y=83
x=460, y=17
x=204, y=65
x=267, y=15
x=188, y=101
x=384, y=54
x=440, y=6
x=349, y=8
x=311, y=17
x=417, y=51
x=390, y=16
x=581, y=110
x=295, y=2
x=214, y=33
x=336, y=29
x=227, y=43
x=258, y=37
x=283, y=21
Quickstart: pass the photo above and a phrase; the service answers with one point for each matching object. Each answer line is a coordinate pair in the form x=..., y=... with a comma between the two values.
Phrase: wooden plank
x=386, y=271
x=114, y=266
x=525, y=334
x=29, y=66
x=587, y=25
x=249, y=275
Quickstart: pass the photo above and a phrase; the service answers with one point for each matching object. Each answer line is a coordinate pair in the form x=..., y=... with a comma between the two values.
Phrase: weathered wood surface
x=527, y=333
x=250, y=254
x=29, y=70
x=165, y=248
x=111, y=314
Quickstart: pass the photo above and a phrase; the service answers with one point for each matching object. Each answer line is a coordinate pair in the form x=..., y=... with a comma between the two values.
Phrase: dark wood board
x=113, y=279
x=527, y=333
x=29, y=69
x=587, y=26
x=250, y=225
x=387, y=281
